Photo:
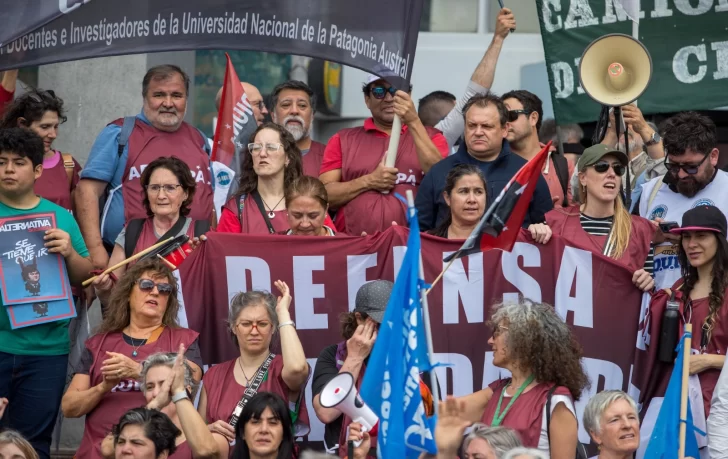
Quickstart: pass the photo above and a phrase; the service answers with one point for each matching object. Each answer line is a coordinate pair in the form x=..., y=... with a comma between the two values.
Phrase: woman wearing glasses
x=273, y=162
x=602, y=223
x=255, y=319
x=141, y=321
x=42, y=112
x=169, y=189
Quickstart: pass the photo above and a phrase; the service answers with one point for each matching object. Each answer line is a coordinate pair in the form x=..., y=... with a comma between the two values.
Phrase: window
x=459, y=16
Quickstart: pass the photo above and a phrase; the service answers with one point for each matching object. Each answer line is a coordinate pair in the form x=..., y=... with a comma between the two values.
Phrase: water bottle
x=669, y=332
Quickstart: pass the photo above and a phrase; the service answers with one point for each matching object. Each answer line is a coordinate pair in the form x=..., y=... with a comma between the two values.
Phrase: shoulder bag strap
x=70, y=166
x=655, y=189
x=259, y=202
x=562, y=170
x=133, y=231
x=251, y=390
x=548, y=412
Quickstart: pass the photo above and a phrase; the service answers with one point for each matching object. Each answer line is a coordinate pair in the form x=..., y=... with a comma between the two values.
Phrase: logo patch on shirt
x=658, y=212
x=703, y=202
x=223, y=178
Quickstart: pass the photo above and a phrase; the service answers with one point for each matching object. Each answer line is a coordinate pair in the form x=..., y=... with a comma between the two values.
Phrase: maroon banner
x=592, y=293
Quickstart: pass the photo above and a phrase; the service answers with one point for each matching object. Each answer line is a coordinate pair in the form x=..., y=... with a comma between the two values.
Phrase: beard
x=298, y=131
x=691, y=185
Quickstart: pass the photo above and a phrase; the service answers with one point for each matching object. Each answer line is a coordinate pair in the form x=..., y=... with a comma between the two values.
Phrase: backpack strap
x=654, y=191
x=548, y=412
x=561, y=165
x=201, y=227
x=133, y=231
x=70, y=165
x=126, y=128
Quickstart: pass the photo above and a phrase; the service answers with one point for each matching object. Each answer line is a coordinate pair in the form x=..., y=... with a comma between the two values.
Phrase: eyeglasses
x=497, y=330
x=256, y=148
x=380, y=92
x=147, y=285
x=603, y=166
x=248, y=326
x=260, y=104
x=169, y=189
x=690, y=169
x=514, y=114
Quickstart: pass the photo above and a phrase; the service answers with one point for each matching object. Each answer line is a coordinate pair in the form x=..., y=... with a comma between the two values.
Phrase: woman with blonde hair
x=602, y=223
x=13, y=445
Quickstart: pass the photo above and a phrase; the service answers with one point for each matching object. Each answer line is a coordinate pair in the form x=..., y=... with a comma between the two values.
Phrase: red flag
x=234, y=117
x=501, y=223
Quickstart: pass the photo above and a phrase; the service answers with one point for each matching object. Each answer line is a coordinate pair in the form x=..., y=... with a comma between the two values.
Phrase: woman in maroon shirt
x=141, y=320
x=307, y=205
x=42, y=112
x=254, y=318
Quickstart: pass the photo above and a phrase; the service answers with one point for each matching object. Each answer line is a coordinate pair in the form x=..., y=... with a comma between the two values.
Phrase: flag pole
x=425, y=314
x=687, y=346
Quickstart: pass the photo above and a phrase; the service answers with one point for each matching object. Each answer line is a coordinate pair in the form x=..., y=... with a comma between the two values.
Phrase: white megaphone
x=341, y=393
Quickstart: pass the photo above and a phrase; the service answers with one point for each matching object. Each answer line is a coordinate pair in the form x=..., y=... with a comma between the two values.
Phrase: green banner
x=687, y=40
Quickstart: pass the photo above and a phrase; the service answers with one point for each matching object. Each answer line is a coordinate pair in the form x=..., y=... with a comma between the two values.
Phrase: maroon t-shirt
x=127, y=394
x=312, y=159
x=242, y=215
x=526, y=414
x=224, y=392
x=53, y=184
x=183, y=451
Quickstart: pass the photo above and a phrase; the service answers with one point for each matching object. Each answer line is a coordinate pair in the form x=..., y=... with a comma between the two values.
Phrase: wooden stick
x=391, y=156
x=687, y=346
x=439, y=276
x=167, y=262
x=127, y=261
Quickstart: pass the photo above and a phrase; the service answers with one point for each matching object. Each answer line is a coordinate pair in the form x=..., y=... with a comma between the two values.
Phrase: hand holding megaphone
x=341, y=393
x=361, y=439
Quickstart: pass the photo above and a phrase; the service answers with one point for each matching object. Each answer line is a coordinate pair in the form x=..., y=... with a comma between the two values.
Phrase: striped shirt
x=602, y=226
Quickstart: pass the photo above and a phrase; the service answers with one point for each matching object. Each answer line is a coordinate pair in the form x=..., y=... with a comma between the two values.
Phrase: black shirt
x=324, y=372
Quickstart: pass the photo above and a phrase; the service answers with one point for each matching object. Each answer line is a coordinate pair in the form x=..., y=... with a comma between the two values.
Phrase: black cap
x=372, y=299
x=703, y=218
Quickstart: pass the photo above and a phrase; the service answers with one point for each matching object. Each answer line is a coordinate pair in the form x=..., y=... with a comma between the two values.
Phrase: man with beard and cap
x=692, y=180
x=361, y=188
x=525, y=113
x=123, y=149
x=294, y=104
x=359, y=329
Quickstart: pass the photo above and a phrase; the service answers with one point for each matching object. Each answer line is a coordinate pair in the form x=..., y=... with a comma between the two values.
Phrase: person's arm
x=87, y=195
x=634, y=119
x=80, y=398
x=107, y=447
x=474, y=404
x=340, y=192
x=295, y=367
x=218, y=428
x=426, y=203
x=563, y=431
x=10, y=80
x=481, y=81
x=427, y=152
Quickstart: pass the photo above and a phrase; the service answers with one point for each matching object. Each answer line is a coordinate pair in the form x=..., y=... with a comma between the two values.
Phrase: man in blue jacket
x=485, y=146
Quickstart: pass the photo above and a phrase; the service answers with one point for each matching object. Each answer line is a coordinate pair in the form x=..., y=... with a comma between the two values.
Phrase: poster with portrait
x=26, y=315
x=28, y=272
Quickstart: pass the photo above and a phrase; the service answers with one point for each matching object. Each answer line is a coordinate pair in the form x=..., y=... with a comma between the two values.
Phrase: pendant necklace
x=135, y=350
x=271, y=214
x=247, y=381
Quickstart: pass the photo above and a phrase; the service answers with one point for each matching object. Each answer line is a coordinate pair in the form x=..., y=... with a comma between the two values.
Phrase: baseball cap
x=372, y=299
x=371, y=78
x=593, y=154
x=703, y=218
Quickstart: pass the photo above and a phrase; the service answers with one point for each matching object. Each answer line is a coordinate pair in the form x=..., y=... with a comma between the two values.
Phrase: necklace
x=271, y=214
x=240, y=364
x=498, y=416
x=142, y=342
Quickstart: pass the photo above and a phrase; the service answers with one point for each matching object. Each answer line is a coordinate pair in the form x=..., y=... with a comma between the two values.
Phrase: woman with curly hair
x=532, y=342
x=701, y=296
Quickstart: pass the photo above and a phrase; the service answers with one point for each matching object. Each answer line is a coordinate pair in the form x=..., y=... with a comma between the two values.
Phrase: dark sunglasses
x=603, y=166
x=380, y=92
x=690, y=169
x=514, y=114
x=147, y=285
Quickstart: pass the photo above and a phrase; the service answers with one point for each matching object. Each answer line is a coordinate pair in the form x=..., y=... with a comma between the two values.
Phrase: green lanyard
x=498, y=416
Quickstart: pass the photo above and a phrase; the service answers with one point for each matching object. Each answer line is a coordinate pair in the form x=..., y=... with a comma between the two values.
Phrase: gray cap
x=372, y=299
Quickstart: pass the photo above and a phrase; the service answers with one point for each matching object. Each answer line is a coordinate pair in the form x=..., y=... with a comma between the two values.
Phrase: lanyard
x=498, y=416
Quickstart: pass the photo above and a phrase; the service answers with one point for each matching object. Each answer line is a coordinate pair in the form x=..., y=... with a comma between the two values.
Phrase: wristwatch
x=654, y=140
x=181, y=395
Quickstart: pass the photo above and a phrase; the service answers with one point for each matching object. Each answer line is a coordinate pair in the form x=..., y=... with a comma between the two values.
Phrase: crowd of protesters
x=140, y=382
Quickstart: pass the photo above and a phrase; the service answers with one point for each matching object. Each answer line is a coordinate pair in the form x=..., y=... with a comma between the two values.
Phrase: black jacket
x=432, y=208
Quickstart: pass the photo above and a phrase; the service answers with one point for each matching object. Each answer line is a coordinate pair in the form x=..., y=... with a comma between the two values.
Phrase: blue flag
x=665, y=440
x=391, y=385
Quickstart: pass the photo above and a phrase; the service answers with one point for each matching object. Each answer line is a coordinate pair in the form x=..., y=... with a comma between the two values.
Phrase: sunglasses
x=147, y=285
x=514, y=114
x=603, y=166
x=380, y=92
x=690, y=169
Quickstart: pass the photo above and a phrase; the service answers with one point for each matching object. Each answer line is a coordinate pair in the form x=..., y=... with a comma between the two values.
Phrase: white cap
x=371, y=78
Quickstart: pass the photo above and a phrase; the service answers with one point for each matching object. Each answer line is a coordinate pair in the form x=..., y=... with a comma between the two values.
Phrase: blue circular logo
x=658, y=212
x=223, y=178
x=703, y=202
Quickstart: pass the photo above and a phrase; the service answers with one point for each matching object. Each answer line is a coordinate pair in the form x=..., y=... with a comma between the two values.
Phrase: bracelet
x=181, y=395
x=290, y=322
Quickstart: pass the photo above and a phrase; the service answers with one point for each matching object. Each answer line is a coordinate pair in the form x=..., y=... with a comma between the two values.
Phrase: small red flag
x=501, y=223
